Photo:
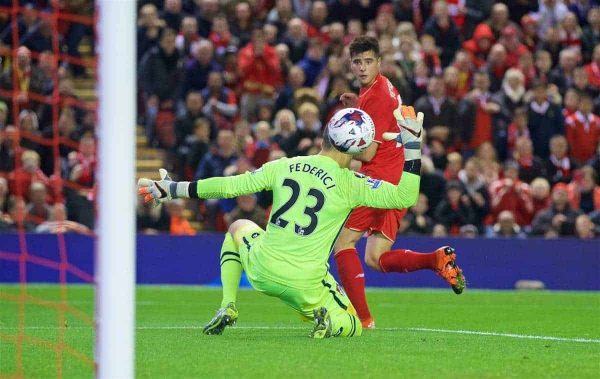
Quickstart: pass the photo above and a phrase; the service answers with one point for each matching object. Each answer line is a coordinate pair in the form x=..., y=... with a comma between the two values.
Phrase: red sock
x=353, y=281
x=406, y=261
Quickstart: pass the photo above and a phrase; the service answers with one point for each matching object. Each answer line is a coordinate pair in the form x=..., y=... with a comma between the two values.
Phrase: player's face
x=365, y=66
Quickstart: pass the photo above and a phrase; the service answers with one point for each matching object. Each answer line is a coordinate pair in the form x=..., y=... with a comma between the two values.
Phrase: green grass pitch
x=421, y=333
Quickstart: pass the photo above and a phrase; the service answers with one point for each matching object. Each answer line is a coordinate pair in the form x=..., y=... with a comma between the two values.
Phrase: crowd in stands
x=510, y=92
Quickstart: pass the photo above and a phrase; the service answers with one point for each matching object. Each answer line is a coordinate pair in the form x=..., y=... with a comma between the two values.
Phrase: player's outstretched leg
x=442, y=261
x=231, y=272
x=225, y=316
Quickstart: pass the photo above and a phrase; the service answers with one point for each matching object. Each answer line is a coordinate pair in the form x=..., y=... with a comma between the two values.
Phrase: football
x=351, y=130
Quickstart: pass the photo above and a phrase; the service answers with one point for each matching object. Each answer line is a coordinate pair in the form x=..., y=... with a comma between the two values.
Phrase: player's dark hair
x=362, y=44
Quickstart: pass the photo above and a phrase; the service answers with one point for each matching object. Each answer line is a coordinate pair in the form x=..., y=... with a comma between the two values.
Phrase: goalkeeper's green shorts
x=326, y=293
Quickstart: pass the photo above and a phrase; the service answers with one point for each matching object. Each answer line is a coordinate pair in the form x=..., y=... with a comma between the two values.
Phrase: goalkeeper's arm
x=213, y=188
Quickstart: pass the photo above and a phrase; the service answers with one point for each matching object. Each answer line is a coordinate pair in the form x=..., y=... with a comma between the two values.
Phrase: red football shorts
x=386, y=221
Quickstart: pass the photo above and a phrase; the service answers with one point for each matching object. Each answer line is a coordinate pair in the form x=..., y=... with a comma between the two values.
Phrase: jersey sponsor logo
x=373, y=183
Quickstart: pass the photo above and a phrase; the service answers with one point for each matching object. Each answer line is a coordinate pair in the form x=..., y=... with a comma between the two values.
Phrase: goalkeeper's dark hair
x=363, y=44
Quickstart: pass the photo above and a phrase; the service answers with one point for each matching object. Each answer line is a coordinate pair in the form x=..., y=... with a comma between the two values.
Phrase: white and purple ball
x=351, y=130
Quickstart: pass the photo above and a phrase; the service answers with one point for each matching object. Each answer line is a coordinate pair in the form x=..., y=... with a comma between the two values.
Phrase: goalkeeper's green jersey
x=312, y=198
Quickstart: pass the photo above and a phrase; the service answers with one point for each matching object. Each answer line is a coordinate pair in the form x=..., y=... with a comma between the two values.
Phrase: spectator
x=562, y=76
x=198, y=68
x=517, y=129
x=480, y=45
x=281, y=14
x=185, y=122
x=586, y=191
x=530, y=166
x=430, y=54
x=221, y=105
x=432, y=184
x=455, y=210
x=570, y=31
x=540, y=195
x=545, y=120
x=417, y=219
x=509, y=193
x=496, y=66
x=550, y=14
x=506, y=227
x=559, y=167
x=207, y=12
x=551, y=44
x=499, y=19
x=242, y=24
x=476, y=111
x=258, y=152
x=284, y=130
x=559, y=218
x=591, y=35
x=488, y=161
x=453, y=167
x=514, y=48
x=187, y=36
x=468, y=231
x=570, y=104
x=260, y=72
x=82, y=164
x=17, y=217
x=214, y=163
x=178, y=224
x=584, y=227
x=593, y=70
x=19, y=180
x=439, y=231
x=475, y=188
x=295, y=39
x=172, y=14
x=159, y=69
x=583, y=131
x=38, y=209
x=195, y=147
x=441, y=27
x=313, y=62
x=529, y=28
x=543, y=65
x=527, y=67
x=8, y=148
x=441, y=122
x=29, y=77
x=152, y=219
x=220, y=36
x=509, y=98
x=60, y=224
x=247, y=208
x=149, y=28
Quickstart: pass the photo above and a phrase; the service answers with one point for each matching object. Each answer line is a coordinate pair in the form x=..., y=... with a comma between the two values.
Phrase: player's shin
x=345, y=324
x=231, y=270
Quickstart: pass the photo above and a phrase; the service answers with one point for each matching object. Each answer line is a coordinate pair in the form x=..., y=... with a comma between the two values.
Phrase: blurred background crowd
x=510, y=92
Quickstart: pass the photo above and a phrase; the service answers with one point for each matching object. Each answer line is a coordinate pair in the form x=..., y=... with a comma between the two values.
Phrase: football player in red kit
x=382, y=160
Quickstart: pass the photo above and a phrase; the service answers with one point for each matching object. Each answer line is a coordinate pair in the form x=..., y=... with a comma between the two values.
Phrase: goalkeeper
x=312, y=197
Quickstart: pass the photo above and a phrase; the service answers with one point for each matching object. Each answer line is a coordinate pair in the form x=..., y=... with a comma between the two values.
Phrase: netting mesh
x=45, y=318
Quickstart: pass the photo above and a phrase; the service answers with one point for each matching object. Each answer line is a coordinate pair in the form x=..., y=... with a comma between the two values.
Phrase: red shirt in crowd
x=583, y=135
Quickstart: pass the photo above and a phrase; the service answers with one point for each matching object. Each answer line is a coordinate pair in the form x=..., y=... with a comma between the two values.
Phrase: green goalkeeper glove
x=411, y=131
x=162, y=190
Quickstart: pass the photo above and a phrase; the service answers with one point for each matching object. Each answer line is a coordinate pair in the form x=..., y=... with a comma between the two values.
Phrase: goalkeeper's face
x=365, y=66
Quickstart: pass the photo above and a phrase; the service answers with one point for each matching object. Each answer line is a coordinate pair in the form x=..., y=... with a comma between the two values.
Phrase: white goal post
x=115, y=228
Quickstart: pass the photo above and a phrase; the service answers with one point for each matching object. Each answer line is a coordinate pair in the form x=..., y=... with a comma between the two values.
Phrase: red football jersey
x=379, y=100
